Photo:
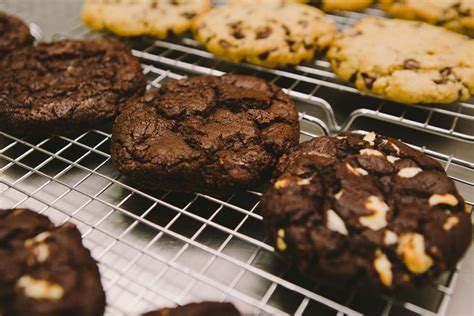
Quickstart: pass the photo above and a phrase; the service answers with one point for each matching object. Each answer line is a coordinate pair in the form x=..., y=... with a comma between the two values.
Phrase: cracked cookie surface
x=456, y=15
x=45, y=270
x=366, y=210
x=142, y=17
x=14, y=34
x=270, y=35
x=205, y=134
x=198, y=309
x=405, y=61
x=66, y=86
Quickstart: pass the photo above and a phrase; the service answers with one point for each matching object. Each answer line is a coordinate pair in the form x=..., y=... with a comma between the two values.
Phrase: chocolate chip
x=188, y=15
x=308, y=46
x=224, y=43
x=411, y=64
x=263, y=33
x=353, y=77
x=174, y=2
x=154, y=5
x=287, y=30
x=368, y=80
x=441, y=81
x=238, y=34
x=264, y=55
x=235, y=24
x=445, y=71
x=303, y=23
x=290, y=42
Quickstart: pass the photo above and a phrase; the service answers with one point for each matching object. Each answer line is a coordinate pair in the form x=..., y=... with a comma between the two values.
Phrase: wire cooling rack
x=160, y=249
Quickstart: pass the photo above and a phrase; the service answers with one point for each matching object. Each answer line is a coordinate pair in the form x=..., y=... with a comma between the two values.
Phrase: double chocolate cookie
x=14, y=34
x=406, y=61
x=198, y=309
x=205, y=134
x=66, y=86
x=366, y=210
x=45, y=270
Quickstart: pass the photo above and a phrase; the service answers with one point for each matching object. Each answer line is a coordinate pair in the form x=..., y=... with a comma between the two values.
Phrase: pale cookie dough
x=269, y=35
x=142, y=17
x=456, y=15
x=405, y=61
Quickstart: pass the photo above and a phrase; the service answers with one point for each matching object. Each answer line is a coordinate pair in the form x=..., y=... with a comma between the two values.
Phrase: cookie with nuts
x=45, y=270
x=14, y=34
x=198, y=309
x=270, y=35
x=405, y=61
x=205, y=134
x=455, y=15
x=366, y=210
x=158, y=18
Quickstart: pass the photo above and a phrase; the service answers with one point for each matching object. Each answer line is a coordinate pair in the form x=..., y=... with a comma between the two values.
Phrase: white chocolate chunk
x=411, y=247
x=450, y=222
x=356, y=171
x=390, y=238
x=341, y=137
x=467, y=208
x=303, y=181
x=335, y=223
x=409, y=172
x=282, y=183
x=370, y=152
x=383, y=267
x=338, y=194
x=41, y=252
x=392, y=159
x=37, y=239
x=370, y=137
x=280, y=241
x=40, y=289
x=377, y=220
x=447, y=198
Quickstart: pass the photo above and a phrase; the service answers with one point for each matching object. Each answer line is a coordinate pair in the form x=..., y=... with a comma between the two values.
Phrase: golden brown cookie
x=142, y=17
x=406, y=61
x=270, y=35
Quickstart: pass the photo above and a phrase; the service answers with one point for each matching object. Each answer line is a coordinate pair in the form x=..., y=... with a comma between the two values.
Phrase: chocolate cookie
x=456, y=15
x=143, y=17
x=198, y=309
x=205, y=134
x=45, y=270
x=366, y=210
x=405, y=61
x=273, y=34
x=66, y=86
x=14, y=34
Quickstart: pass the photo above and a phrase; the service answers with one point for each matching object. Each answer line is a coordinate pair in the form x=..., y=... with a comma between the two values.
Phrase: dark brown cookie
x=66, y=86
x=205, y=134
x=14, y=34
x=45, y=270
x=198, y=309
x=366, y=210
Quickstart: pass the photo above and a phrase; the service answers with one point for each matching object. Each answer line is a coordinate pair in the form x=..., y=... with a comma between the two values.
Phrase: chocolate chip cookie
x=456, y=15
x=205, y=134
x=66, y=86
x=405, y=61
x=325, y=5
x=270, y=35
x=14, y=34
x=198, y=309
x=366, y=210
x=45, y=270
x=156, y=18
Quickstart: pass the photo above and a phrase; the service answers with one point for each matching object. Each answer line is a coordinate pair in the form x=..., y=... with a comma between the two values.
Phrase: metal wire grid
x=157, y=249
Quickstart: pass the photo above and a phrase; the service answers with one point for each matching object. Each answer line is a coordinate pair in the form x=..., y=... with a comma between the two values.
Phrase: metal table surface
x=162, y=248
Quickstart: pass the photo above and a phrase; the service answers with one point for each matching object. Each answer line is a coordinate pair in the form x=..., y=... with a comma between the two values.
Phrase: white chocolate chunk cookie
x=45, y=269
x=376, y=213
x=270, y=35
x=156, y=18
x=455, y=15
x=405, y=61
